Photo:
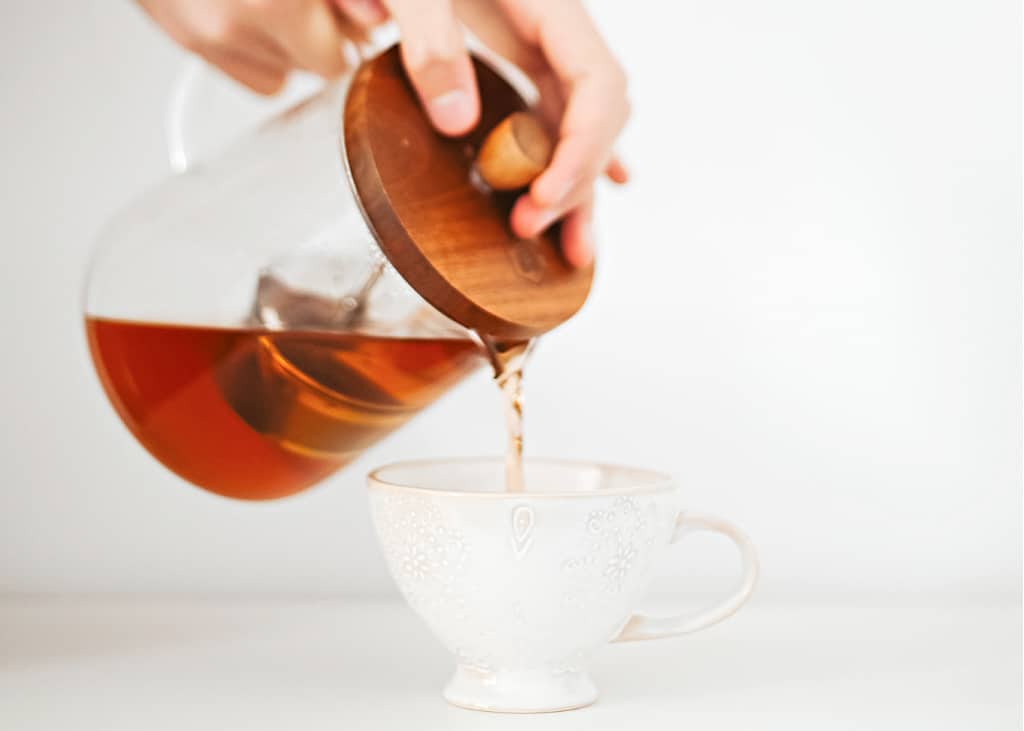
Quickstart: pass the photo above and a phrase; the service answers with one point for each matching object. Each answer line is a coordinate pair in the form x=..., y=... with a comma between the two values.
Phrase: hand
x=257, y=42
x=582, y=94
x=582, y=87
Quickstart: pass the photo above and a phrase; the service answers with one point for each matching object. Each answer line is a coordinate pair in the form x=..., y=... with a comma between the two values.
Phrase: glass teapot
x=260, y=319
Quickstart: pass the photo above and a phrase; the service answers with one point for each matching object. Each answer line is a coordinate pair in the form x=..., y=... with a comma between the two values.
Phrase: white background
x=808, y=309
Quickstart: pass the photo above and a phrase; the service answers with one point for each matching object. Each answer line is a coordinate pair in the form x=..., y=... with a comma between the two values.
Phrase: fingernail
x=452, y=112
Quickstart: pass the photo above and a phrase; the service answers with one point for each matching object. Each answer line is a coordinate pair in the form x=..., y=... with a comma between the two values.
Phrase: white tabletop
x=346, y=664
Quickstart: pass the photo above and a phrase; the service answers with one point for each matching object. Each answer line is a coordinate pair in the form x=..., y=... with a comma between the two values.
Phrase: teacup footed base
x=519, y=691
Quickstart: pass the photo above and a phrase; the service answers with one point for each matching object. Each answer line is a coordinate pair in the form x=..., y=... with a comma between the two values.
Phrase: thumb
x=435, y=57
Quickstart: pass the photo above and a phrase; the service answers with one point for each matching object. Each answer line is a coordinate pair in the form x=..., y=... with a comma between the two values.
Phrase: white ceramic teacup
x=522, y=587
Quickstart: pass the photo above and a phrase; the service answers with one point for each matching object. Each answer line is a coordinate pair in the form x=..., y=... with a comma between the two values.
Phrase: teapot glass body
x=247, y=328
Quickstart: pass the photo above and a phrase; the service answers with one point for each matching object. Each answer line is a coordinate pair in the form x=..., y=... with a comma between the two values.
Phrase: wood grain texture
x=445, y=232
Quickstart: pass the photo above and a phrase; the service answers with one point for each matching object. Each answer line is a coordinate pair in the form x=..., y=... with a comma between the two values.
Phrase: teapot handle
x=177, y=108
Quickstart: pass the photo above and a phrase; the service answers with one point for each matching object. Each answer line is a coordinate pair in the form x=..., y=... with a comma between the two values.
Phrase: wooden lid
x=444, y=230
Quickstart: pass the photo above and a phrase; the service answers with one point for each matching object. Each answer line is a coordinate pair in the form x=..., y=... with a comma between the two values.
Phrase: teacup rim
x=662, y=482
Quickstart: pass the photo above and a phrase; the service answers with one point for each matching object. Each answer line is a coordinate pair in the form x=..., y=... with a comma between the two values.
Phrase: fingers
x=260, y=49
x=529, y=219
x=594, y=115
x=312, y=35
x=438, y=65
x=252, y=72
x=577, y=237
x=551, y=106
x=533, y=214
x=594, y=111
x=577, y=234
x=366, y=13
x=258, y=41
x=617, y=172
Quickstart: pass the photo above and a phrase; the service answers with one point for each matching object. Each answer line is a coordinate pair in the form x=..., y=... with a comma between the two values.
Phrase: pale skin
x=582, y=87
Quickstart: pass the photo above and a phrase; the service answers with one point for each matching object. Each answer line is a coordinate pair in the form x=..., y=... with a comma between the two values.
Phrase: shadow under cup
x=522, y=586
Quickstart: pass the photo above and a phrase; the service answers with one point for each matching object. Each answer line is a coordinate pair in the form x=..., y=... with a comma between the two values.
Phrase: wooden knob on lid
x=444, y=232
x=514, y=153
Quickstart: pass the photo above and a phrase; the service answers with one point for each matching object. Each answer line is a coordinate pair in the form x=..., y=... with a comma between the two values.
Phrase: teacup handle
x=643, y=627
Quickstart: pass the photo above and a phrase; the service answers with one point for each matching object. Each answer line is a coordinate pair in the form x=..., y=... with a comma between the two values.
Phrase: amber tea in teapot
x=257, y=414
x=261, y=319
